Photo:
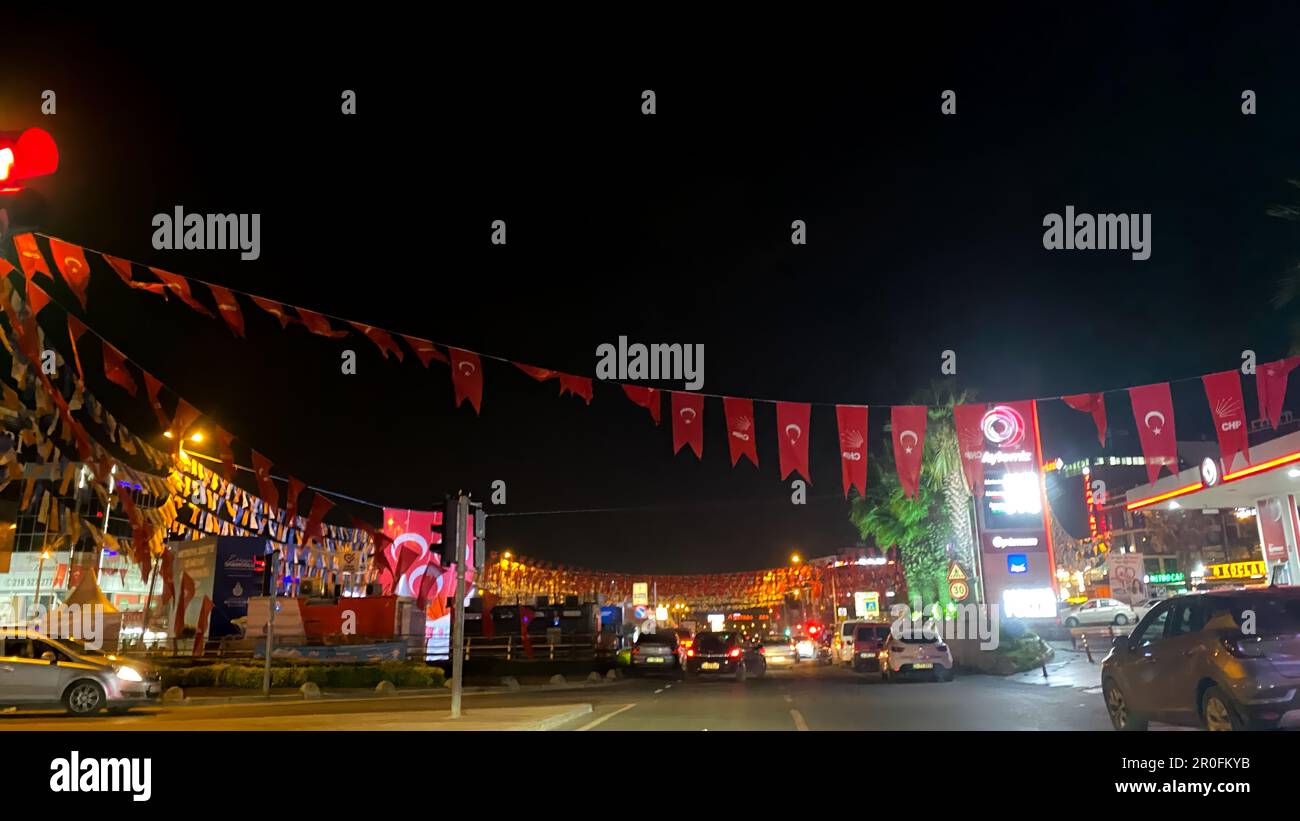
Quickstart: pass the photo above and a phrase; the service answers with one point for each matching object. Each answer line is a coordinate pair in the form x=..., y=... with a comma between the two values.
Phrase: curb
x=551, y=722
x=213, y=701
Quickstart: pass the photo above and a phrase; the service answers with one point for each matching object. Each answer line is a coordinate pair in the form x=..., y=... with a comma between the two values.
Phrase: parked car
x=845, y=644
x=725, y=654
x=780, y=652
x=36, y=670
x=1098, y=611
x=1224, y=660
x=1143, y=607
x=915, y=651
x=868, y=641
x=656, y=653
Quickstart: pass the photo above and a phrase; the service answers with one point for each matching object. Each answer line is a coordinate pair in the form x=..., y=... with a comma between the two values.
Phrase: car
x=1098, y=611
x=868, y=641
x=725, y=654
x=656, y=653
x=1222, y=660
x=37, y=671
x=915, y=649
x=780, y=652
x=806, y=648
x=1144, y=606
x=845, y=640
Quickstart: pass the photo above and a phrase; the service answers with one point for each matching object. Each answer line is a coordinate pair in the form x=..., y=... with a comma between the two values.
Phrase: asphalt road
x=808, y=697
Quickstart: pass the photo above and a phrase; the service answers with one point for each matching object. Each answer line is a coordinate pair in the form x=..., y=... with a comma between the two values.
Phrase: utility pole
x=458, y=623
x=270, y=625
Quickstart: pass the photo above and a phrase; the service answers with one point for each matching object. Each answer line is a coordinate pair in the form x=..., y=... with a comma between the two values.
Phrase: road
x=808, y=697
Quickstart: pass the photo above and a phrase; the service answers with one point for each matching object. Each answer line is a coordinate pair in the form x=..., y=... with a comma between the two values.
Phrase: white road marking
x=604, y=718
x=668, y=687
x=660, y=690
x=799, y=723
x=788, y=700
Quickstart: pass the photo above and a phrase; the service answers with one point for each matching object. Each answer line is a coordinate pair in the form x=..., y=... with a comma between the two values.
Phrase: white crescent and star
x=687, y=414
x=466, y=367
x=793, y=432
x=902, y=440
x=1146, y=420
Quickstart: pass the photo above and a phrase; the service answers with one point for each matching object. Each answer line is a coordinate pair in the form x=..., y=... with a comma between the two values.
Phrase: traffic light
x=480, y=537
x=25, y=155
x=449, y=532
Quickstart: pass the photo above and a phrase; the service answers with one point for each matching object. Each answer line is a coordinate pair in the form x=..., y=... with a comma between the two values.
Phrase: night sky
x=925, y=234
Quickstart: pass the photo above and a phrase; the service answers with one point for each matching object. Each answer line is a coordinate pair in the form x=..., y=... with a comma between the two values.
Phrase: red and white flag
x=908, y=432
x=1270, y=385
x=467, y=377
x=1153, y=408
x=71, y=262
x=741, y=439
x=852, y=423
x=1228, y=410
x=969, y=421
x=688, y=422
x=1094, y=403
x=792, y=433
x=647, y=398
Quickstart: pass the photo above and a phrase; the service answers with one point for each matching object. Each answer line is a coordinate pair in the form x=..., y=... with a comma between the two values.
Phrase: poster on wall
x=1272, y=532
x=1126, y=572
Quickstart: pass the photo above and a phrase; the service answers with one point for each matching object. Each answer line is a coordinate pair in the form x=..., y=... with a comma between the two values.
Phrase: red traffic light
x=24, y=155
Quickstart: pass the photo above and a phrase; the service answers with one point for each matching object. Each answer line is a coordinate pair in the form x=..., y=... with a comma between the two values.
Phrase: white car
x=1099, y=611
x=1144, y=606
x=916, y=651
x=806, y=649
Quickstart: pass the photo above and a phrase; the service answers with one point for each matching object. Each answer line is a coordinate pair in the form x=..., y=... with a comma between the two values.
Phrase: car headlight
x=128, y=674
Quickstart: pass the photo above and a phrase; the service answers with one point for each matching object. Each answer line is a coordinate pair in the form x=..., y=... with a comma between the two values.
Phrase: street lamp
x=794, y=558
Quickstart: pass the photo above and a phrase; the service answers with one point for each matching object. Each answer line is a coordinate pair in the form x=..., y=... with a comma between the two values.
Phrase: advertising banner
x=1126, y=572
x=1272, y=532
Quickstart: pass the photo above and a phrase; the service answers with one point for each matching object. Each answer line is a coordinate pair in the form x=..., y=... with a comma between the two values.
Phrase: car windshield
x=714, y=641
x=872, y=633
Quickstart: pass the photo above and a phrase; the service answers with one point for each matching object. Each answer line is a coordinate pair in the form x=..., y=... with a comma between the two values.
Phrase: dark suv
x=1225, y=660
x=725, y=654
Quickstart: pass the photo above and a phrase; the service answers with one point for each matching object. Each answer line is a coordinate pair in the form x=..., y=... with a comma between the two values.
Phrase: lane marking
x=604, y=718
x=788, y=700
x=660, y=690
x=799, y=723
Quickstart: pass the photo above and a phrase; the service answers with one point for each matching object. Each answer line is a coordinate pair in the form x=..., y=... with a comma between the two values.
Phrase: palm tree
x=943, y=468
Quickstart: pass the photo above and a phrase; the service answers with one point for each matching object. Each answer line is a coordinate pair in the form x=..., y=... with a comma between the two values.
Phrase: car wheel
x=1117, y=706
x=741, y=673
x=1217, y=712
x=1121, y=619
x=1072, y=622
x=84, y=698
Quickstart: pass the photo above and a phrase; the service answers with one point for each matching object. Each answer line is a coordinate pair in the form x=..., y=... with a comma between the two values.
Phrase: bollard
x=1087, y=648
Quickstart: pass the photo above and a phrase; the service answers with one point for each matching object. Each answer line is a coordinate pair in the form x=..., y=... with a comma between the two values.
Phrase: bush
x=294, y=675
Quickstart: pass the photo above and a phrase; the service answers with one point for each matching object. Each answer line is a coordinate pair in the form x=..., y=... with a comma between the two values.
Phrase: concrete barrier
x=309, y=690
x=386, y=688
x=173, y=694
x=558, y=679
x=510, y=681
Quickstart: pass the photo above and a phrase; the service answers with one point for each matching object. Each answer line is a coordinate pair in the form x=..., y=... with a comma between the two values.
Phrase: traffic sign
x=955, y=573
x=640, y=611
x=640, y=593
x=958, y=590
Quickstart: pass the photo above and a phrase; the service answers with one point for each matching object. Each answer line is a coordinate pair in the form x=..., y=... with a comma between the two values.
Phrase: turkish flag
x=647, y=398
x=224, y=439
x=273, y=308
x=184, y=416
x=30, y=257
x=540, y=374
x=75, y=329
x=408, y=535
x=425, y=350
x=205, y=612
x=71, y=262
x=151, y=388
x=576, y=385
x=229, y=309
x=319, y=507
x=265, y=487
x=969, y=421
x=740, y=429
x=1228, y=410
x=908, y=432
x=1270, y=385
x=167, y=572
x=688, y=422
x=467, y=377
x=182, y=602
x=115, y=369
x=180, y=286
x=852, y=423
x=294, y=489
x=382, y=339
x=123, y=269
x=319, y=324
x=37, y=298
x=1153, y=408
x=792, y=433
x=1094, y=403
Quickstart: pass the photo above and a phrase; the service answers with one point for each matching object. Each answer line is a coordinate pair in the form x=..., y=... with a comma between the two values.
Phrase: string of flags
x=1151, y=404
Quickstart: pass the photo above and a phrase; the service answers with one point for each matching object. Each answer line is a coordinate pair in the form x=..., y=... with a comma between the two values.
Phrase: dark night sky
x=925, y=233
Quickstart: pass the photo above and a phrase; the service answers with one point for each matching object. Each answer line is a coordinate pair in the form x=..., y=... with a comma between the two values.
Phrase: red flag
x=229, y=309
x=168, y=573
x=908, y=432
x=319, y=324
x=1153, y=408
x=540, y=374
x=273, y=308
x=852, y=423
x=792, y=433
x=115, y=368
x=295, y=487
x=969, y=422
x=1094, y=403
x=182, y=602
x=1228, y=410
x=37, y=299
x=224, y=439
x=576, y=385
x=151, y=388
x=467, y=377
x=75, y=329
x=382, y=339
x=180, y=286
x=205, y=611
x=30, y=257
x=688, y=422
x=265, y=486
x=184, y=416
x=123, y=269
x=1270, y=386
x=741, y=438
x=319, y=507
x=647, y=398
x=425, y=350
x=71, y=263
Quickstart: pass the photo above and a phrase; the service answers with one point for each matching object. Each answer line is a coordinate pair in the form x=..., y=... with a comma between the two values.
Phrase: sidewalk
x=1069, y=668
x=207, y=696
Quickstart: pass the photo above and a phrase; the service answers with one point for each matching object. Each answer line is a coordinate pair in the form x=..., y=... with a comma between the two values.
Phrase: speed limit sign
x=958, y=590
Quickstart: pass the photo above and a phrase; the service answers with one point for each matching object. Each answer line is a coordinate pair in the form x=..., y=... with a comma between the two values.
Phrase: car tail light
x=1244, y=648
x=636, y=651
x=761, y=652
x=734, y=652
x=690, y=653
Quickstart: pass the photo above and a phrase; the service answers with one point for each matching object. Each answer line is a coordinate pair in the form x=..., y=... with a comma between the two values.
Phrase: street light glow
x=196, y=437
